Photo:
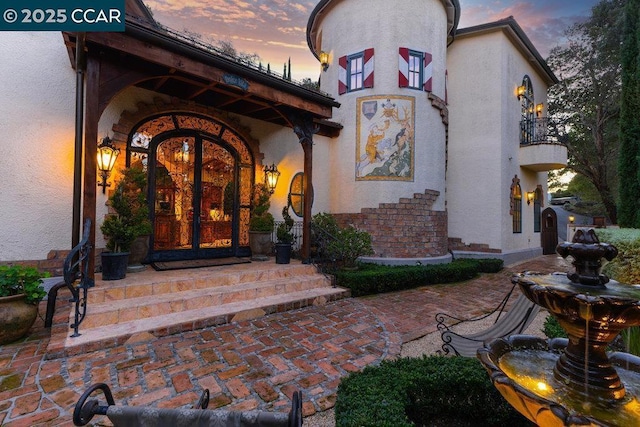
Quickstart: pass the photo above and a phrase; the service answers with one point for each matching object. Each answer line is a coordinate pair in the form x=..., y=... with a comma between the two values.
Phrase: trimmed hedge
x=374, y=278
x=433, y=391
x=625, y=268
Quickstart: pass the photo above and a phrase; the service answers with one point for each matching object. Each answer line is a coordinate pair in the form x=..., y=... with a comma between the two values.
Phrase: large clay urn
x=16, y=318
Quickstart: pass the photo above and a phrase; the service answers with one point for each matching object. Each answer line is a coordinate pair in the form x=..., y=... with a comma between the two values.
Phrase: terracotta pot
x=16, y=318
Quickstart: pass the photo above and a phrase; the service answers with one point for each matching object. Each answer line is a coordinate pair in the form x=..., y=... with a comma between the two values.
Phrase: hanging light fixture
x=521, y=91
x=271, y=175
x=182, y=154
x=107, y=156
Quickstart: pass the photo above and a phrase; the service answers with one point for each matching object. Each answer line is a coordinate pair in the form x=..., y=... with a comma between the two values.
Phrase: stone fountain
x=574, y=381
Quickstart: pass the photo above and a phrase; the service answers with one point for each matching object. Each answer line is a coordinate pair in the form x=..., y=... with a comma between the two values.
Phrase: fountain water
x=573, y=381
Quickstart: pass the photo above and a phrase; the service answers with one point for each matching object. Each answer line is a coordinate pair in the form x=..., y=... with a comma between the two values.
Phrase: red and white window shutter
x=427, y=72
x=403, y=69
x=342, y=75
x=368, y=68
x=367, y=71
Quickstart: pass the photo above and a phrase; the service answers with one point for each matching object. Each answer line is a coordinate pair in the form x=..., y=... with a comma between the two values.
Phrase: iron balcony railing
x=536, y=131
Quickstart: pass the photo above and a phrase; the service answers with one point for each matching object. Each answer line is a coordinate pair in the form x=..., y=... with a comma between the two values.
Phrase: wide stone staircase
x=152, y=304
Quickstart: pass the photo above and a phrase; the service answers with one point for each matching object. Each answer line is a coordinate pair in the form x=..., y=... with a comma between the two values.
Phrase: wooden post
x=304, y=128
x=92, y=115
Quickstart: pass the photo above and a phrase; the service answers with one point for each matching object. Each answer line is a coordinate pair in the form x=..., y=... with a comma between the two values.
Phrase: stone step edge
x=62, y=345
x=101, y=306
x=170, y=285
x=203, y=274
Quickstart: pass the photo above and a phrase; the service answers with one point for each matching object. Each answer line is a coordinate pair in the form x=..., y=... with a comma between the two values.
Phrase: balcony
x=538, y=151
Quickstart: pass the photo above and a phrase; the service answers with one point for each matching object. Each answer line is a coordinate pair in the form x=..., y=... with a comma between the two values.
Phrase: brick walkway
x=246, y=365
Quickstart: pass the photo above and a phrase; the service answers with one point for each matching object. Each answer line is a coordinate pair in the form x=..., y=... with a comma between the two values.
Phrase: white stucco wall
x=353, y=26
x=37, y=106
x=485, y=114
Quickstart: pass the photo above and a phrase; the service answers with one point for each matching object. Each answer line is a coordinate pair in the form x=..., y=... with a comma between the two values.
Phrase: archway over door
x=201, y=174
x=549, y=235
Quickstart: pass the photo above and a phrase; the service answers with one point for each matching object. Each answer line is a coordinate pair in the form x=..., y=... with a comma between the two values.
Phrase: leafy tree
x=585, y=105
x=629, y=190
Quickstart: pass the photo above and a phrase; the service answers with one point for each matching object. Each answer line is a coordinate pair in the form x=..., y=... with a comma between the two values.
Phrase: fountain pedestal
x=585, y=388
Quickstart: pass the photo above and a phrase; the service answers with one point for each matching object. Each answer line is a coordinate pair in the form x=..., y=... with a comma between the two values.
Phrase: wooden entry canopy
x=149, y=56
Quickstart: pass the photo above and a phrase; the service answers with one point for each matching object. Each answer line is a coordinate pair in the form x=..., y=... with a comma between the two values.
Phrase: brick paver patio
x=246, y=365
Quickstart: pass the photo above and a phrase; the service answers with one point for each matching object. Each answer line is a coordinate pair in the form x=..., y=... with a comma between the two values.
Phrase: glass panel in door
x=174, y=194
x=217, y=196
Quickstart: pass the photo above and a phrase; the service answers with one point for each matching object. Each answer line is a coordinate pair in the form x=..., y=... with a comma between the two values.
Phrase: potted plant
x=261, y=224
x=284, y=238
x=20, y=292
x=129, y=219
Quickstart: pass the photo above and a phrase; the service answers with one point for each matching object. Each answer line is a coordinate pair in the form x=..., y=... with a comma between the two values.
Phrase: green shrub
x=349, y=244
x=490, y=265
x=261, y=219
x=552, y=328
x=625, y=267
x=374, y=278
x=18, y=279
x=451, y=391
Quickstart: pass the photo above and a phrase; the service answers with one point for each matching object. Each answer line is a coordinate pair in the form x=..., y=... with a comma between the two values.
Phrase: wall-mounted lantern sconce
x=324, y=60
x=531, y=195
x=521, y=91
x=539, y=109
x=271, y=175
x=571, y=219
x=107, y=155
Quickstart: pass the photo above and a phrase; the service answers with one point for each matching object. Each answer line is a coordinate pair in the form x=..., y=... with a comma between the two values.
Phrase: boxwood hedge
x=427, y=391
x=374, y=278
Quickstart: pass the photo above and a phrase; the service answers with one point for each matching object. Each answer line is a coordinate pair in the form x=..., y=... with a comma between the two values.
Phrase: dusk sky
x=276, y=29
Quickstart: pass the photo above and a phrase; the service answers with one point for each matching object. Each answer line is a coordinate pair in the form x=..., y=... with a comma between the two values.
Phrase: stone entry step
x=153, y=304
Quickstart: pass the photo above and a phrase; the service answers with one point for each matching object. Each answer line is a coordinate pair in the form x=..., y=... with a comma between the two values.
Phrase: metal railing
x=296, y=231
x=536, y=131
x=76, y=279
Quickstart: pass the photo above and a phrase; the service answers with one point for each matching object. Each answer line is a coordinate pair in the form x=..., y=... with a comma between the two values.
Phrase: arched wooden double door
x=200, y=179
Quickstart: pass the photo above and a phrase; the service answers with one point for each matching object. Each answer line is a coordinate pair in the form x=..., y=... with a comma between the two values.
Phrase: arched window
x=527, y=122
x=296, y=194
x=537, y=205
x=516, y=205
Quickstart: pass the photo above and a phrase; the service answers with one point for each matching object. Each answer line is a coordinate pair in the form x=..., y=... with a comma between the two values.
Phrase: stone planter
x=137, y=254
x=260, y=244
x=16, y=318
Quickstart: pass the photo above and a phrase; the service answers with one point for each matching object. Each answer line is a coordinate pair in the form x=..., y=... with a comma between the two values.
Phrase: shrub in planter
x=433, y=391
x=128, y=221
x=285, y=238
x=20, y=292
x=261, y=224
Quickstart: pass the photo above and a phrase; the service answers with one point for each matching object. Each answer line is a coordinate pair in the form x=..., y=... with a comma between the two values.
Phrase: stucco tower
x=386, y=66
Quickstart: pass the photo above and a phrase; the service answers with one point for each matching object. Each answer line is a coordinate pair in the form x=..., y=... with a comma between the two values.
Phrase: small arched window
x=527, y=106
x=537, y=206
x=516, y=205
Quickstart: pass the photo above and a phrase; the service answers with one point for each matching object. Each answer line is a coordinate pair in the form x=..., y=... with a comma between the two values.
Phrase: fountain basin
x=521, y=367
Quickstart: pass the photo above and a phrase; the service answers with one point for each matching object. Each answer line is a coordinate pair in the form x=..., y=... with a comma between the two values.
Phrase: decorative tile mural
x=385, y=138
